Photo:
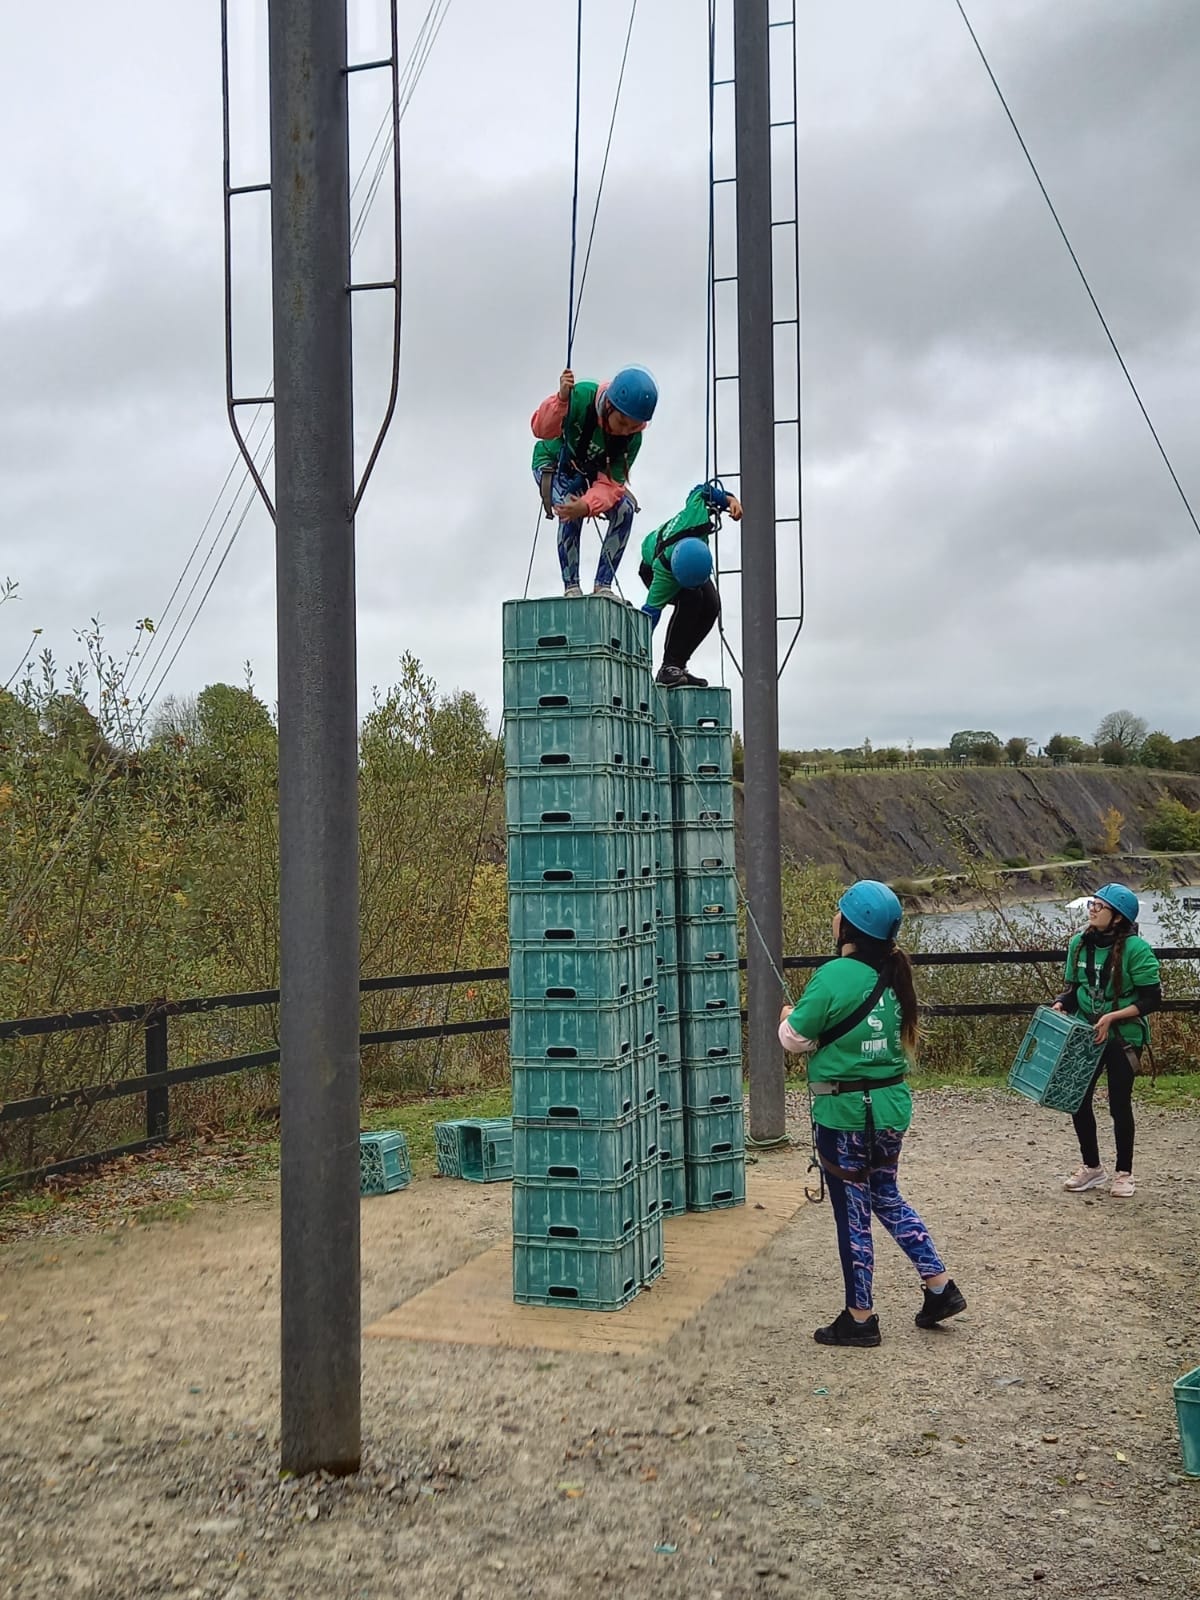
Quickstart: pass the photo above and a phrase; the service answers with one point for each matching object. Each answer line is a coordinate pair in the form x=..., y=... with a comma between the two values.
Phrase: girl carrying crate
x=857, y=1019
x=1113, y=982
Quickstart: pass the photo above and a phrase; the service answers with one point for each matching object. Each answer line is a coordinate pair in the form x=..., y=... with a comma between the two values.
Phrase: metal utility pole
x=756, y=451
x=318, y=748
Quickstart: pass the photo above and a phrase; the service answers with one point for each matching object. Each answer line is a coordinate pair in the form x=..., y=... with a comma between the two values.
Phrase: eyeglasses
x=1098, y=905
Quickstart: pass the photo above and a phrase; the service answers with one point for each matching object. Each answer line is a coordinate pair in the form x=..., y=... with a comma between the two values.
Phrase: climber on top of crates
x=1112, y=982
x=588, y=437
x=677, y=570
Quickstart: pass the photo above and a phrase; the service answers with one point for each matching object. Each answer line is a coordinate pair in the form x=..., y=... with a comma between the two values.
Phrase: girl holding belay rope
x=857, y=1020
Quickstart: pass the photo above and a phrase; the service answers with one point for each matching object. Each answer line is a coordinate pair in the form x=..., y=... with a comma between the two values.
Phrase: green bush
x=1174, y=826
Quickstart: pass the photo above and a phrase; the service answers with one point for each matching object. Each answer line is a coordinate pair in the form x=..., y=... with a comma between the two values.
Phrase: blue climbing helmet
x=873, y=908
x=633, y=391
x=1119, y=899
x=691, y=563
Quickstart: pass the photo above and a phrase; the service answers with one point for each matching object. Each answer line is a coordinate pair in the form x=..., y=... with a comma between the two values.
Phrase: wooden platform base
x=474, y=1305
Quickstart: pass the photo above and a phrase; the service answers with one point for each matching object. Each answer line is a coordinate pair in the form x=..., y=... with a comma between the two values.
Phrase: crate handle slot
x=716, y=1005
x=560, y=935
x=557, y=758
x=708, y=863
x=717, y=1052
x=558, y=875
x=556, y=816
x=562, y=994
x=552, y=641
x=708, y=769
x=562, y=1052
x=562, y=1114
x=723, y=1149
x=708, y=724
x=721, y=1196
x=563, y=1231
x=562, y=1292
x=549, y=700
x=562, y=1172
x=714, y=910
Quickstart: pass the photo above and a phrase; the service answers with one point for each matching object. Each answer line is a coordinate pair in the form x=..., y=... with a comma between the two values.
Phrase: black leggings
x=1120, y=1069
x=692, y=620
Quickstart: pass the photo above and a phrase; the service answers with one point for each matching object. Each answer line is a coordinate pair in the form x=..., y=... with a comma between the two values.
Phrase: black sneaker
x=845, y=1329
x=937, y=1307
x=679, y=678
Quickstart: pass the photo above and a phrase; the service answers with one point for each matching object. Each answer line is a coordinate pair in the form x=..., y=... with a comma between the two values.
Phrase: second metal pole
x=756, y=459
x=318, y=751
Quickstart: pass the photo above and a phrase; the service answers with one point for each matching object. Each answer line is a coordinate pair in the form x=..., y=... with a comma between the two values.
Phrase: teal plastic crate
x=1187, y=1414
x=712, y=1036
x=666, y=893
x=445, y=1139
x=701, y=753
x=566, y=794
x=383, y=1163
x=700, y=710
x=711, y=1086
x=651, y=1253
x=663, y=804
x=538, y=855
x=674, y=1188
x=580, y=913
x=486, y=1149
x=574, y=1213
x=601, y=1152
x=601, y=680
x=669, y=1030
x=593, y=1092
x=700, y=896
x=670, y=1137
x=706, y=802
x=704, y=847
x=1057, y=1060
x=556, y=625
x=705, y=941
x=558, y=970
x=713, y=1134
x=670, y=1087
x=708, y=988
x=592, y=1277
x=648, y=1133
x=589, y=1030
x=715, y=1184
x=587, y=738
x=666, y=945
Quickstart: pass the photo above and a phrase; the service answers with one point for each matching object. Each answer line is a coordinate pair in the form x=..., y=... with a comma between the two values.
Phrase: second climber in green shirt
x=677, y=570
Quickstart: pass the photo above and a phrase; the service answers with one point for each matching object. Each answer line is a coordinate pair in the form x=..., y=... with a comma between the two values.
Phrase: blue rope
x=575, y=194
x=711, y=289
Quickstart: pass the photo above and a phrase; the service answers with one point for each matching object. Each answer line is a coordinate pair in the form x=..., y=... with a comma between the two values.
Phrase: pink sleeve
x=547, y=421
x=792, y=1041
x=603, y=495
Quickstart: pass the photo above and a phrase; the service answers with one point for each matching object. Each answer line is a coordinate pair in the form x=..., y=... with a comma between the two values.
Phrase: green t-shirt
x=622, y=452
x=694, y=522
x=1139, y=970
x=872, y=1050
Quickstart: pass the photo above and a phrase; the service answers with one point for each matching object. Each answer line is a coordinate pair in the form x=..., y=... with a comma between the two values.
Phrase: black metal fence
x=153, y=1018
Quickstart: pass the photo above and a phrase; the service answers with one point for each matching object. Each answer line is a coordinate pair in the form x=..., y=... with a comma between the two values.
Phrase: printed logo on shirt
x=872, y=1047
x=874, y=1021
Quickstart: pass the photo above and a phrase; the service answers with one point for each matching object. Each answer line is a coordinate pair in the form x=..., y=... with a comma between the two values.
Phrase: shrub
x=1174, y=826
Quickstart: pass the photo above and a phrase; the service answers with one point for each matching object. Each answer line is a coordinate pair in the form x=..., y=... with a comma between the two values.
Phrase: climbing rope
x=575, y=186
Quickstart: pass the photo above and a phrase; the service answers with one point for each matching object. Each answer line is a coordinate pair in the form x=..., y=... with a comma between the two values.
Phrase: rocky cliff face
x=903, y=824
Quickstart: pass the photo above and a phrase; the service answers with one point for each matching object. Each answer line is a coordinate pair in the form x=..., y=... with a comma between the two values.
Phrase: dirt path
x=1028, y=1449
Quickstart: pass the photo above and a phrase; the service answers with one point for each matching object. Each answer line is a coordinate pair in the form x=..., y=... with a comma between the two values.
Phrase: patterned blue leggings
x=853, y=1204
x=612, y=548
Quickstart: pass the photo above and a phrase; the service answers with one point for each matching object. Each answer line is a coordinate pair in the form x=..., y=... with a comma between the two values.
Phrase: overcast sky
x=992, y=539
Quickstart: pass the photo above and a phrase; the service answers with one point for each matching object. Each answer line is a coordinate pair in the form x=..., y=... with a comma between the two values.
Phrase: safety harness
x=862, y=1086
x=662, y=544
x=1100, y=991
x=611, y=453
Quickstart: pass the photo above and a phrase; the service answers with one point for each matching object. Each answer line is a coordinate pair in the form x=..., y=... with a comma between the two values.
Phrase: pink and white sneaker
x=1122, y=1185
x=1085, y=1178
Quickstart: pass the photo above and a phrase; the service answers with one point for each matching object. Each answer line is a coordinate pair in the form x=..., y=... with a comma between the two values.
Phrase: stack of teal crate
x=714, y=1138
x=669, y=1036
x=580, y=797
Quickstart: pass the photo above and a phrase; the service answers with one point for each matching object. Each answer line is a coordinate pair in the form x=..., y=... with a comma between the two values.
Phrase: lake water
x=956, y=927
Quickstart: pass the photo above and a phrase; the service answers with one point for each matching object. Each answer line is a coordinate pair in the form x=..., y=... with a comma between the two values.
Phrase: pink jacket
x=547, y=423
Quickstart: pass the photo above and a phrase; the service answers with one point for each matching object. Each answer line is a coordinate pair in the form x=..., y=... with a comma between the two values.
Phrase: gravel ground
x=1028, y=1448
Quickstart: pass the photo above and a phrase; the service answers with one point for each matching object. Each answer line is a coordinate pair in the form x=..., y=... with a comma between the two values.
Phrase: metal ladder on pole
x=785, y=231
x=234, y=402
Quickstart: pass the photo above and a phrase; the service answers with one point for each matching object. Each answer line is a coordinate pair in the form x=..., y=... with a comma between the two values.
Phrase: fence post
x=158, y=1098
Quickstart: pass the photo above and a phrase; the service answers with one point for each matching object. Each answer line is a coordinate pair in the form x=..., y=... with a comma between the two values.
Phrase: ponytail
x=1116, y=971
x=899, y=973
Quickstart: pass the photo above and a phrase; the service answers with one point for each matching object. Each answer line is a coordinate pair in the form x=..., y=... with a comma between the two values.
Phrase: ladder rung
x=250, y=188
x=728, y=277
x=722, y=83
x=725, y=377
x=724, y=180
x=784, y=122
x=356, y=288
x=787, y=519
x=255, y=400
x=369, y=66
x=786, y=222
x=787, y=422
x=785, y=322
x=788, y=22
